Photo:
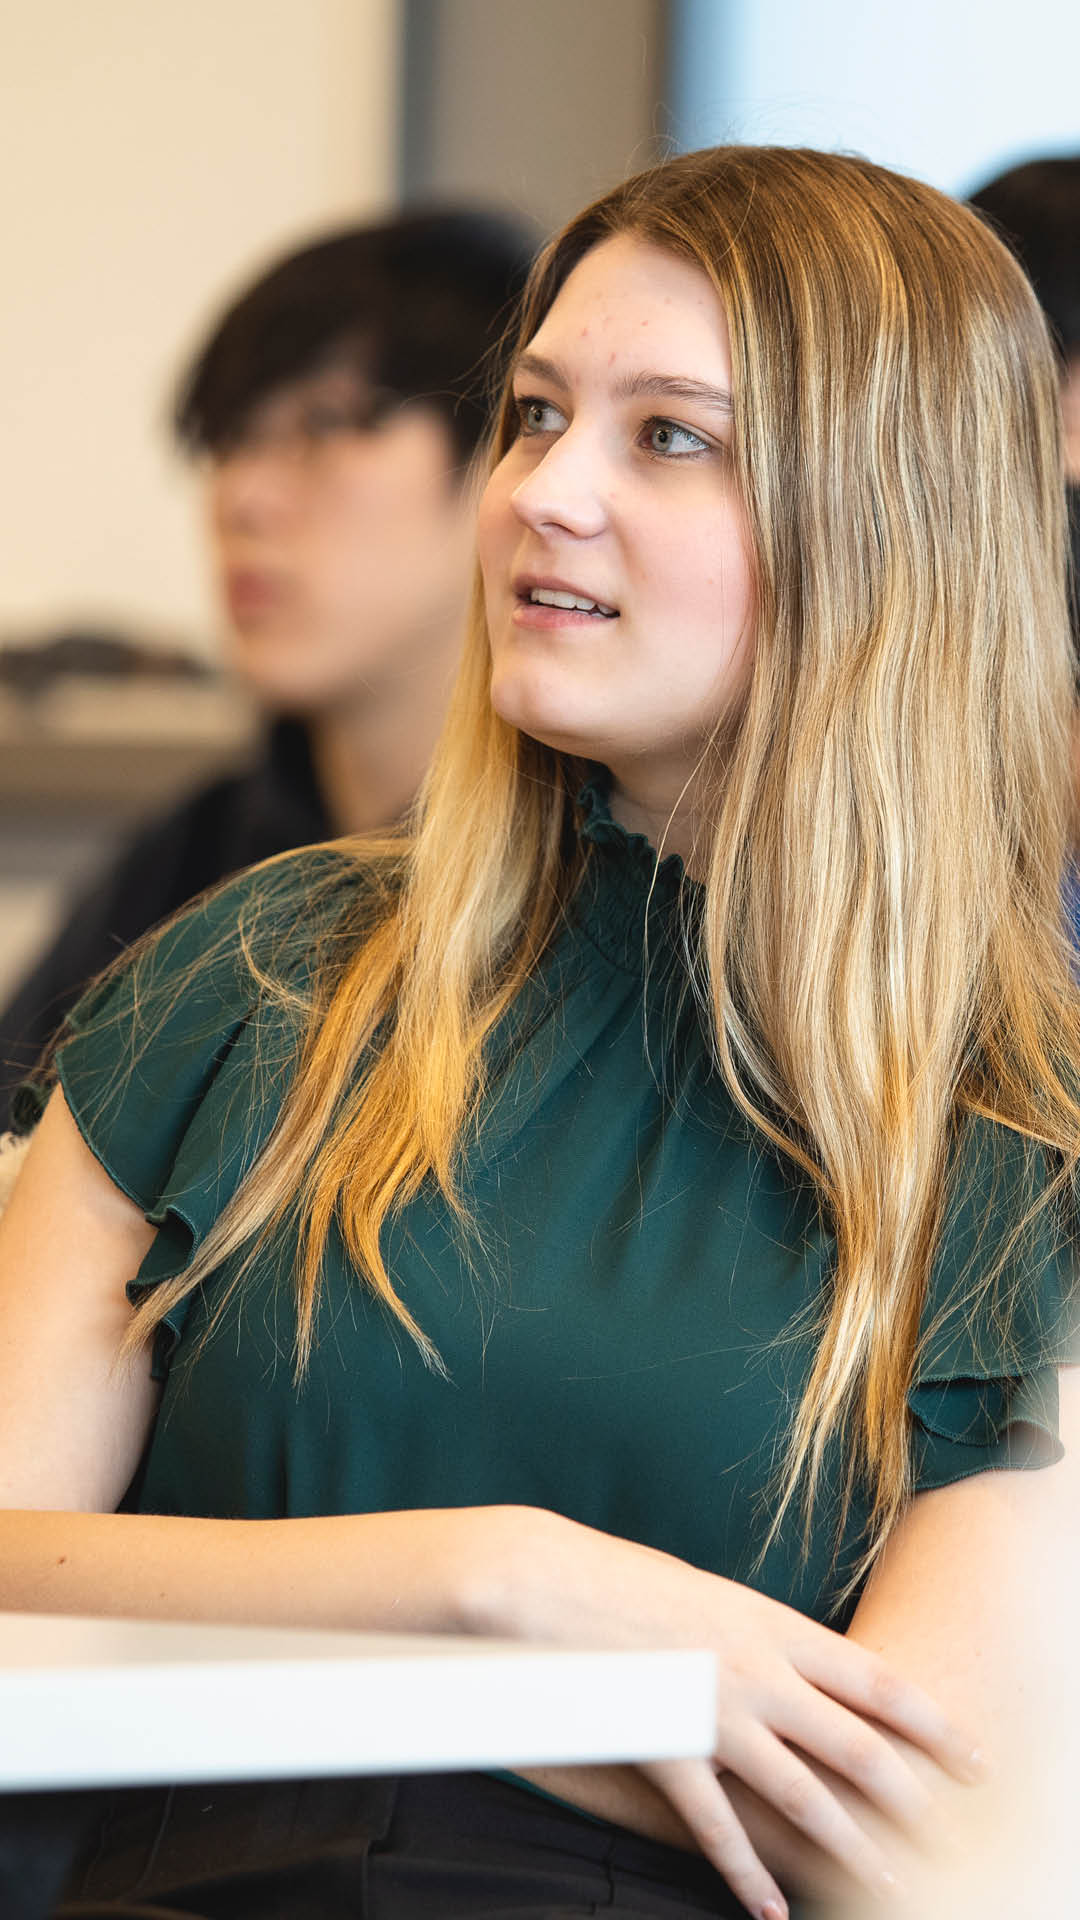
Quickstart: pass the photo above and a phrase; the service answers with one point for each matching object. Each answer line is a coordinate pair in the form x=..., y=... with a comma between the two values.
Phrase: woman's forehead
x=636, y=312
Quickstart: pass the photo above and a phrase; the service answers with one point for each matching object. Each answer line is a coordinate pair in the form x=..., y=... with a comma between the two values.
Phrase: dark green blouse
x=626, y=1339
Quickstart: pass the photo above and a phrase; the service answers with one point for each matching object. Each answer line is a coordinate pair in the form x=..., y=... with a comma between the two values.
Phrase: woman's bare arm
x=976, y=1598
x=74, y=1422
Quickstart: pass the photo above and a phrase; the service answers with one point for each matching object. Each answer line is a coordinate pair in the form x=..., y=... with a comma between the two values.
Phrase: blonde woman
x=631, y=1206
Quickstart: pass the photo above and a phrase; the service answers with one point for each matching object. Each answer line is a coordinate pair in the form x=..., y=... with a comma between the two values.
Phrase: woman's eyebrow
x=540, y=369
x=673, y=386
x=635, y=386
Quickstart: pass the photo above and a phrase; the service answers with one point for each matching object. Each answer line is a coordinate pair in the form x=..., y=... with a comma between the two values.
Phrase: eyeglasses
x=303, y=426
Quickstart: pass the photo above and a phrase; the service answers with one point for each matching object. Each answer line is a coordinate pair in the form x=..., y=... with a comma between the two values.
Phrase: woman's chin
x=581, y=743
x=552, y=721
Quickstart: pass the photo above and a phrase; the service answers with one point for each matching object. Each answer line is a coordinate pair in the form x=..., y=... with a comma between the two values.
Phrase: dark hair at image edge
x=1036, y=209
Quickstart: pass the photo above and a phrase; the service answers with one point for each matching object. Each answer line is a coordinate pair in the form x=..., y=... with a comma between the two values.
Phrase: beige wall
x=152, y=152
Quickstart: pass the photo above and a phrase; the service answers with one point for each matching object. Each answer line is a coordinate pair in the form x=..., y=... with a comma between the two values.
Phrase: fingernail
x=889, y=1885
x=978, y=1764
x=772, y=1910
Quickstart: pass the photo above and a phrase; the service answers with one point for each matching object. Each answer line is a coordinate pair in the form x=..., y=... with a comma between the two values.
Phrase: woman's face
x=342, y=542
x=618, y=494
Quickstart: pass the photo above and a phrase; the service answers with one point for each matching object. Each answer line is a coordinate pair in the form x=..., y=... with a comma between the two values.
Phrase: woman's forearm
x=431, y=1571
x=427, y=1571
x=405, y=1572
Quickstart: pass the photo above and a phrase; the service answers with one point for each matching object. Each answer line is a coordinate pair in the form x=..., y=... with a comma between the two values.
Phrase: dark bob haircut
x=419, y=303
x=1036, y=209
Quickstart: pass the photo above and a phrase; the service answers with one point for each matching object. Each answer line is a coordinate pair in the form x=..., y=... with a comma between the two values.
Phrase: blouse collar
x=634, y=908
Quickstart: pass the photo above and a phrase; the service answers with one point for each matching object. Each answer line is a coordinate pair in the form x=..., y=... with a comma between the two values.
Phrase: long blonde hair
x=883, y=944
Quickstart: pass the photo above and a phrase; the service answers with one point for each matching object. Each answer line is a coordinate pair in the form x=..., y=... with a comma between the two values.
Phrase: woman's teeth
x=552, y=597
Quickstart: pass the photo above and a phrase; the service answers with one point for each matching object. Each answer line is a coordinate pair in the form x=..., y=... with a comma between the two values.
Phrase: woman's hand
x=790, y=1692
x=791, y=1696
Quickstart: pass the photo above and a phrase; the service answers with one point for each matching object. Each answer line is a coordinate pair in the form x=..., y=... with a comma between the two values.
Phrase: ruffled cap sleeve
x=173, y=1064
x=1000, y=1315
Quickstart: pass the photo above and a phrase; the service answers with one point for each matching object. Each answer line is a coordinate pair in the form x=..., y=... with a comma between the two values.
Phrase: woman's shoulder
x=285, y=904
x=264, y=927
x=248, y=952
x=174, y=1062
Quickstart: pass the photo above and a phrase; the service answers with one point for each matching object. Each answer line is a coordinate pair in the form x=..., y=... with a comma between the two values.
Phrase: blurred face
x=341, y=539
x=612, y=542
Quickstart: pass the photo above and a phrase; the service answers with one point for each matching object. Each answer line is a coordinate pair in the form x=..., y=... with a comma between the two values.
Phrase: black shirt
x=272, y=806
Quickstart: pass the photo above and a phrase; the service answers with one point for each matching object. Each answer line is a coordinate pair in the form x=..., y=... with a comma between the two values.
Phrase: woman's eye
x=538, y=416
x=666, y=436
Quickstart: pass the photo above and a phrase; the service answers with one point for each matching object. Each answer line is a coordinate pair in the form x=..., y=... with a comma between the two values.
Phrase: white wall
x=946, y=89
x=152, y=153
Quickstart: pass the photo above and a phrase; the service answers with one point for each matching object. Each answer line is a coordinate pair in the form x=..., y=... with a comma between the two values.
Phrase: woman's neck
x=671, y=824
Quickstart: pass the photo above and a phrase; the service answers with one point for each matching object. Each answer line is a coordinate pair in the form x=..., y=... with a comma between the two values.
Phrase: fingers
x=785, y=1780
x=695, y=1793
x=862, y=1681
x=854, y=1749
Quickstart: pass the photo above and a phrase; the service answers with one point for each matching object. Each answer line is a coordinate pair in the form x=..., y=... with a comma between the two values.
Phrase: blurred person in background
x=1036, y=209
x=336, y=406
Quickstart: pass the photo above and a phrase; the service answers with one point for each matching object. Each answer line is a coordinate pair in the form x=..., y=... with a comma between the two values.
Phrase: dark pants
x=426, y=1848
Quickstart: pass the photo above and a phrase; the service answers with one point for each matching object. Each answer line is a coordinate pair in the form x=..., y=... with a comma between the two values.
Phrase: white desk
x=86, y=1702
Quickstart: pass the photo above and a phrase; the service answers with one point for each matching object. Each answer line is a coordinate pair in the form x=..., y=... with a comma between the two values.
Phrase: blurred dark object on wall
x=28, y=666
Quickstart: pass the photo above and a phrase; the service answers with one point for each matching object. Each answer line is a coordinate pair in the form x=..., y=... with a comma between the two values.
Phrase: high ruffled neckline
x=633, y=908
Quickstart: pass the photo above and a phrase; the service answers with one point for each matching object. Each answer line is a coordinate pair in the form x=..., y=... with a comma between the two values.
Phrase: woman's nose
x=566, y=490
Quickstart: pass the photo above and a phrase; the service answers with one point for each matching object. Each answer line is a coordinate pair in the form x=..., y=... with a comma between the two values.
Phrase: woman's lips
x=540, y=614
x=530, y=613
